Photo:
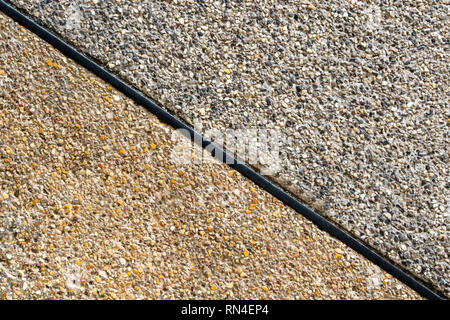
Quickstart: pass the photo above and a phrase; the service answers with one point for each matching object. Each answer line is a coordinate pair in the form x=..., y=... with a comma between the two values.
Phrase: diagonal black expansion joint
x=218, y=152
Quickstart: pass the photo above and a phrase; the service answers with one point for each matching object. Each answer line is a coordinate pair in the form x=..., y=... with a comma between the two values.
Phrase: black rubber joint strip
x=216, y=151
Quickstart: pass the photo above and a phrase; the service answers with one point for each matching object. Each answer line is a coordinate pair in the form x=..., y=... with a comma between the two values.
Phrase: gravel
x=358, y=91
x=93, y=206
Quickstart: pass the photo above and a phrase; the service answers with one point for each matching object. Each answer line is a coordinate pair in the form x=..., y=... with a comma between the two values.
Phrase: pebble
x=330, y=66
x=107, y=235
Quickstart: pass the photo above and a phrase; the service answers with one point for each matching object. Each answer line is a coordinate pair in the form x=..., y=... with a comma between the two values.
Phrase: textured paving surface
x=92, y=206
x=359, y=91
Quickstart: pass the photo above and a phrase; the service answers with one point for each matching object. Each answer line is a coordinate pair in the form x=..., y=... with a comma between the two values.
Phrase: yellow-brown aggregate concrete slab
x=93, y=207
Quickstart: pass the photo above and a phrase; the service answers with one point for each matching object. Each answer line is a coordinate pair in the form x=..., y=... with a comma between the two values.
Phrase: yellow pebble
x=246, y=253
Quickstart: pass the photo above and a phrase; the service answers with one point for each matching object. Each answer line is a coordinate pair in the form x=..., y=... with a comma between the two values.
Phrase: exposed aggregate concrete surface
x=92, y=206
x=359, y=90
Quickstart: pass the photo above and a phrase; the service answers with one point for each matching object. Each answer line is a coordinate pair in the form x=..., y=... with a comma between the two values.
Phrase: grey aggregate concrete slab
x=92, y=205
x=359, y=90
